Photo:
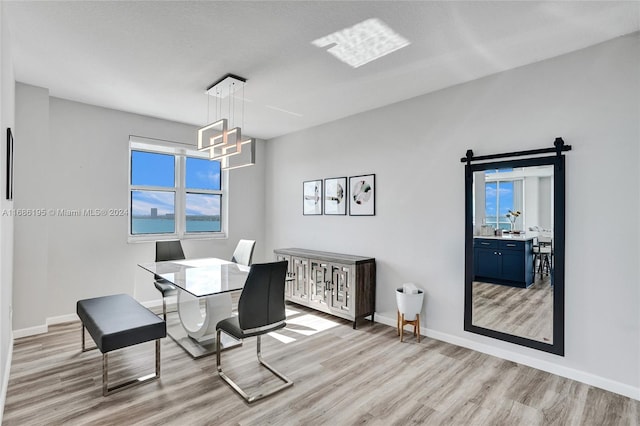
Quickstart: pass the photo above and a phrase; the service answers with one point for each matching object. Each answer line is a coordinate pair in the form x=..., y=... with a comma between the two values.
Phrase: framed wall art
x=362, y=195
x=335, y=196
x=9, y=191
x=312, y=197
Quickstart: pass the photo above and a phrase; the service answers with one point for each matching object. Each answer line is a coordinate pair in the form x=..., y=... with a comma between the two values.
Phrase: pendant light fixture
x=221, y=139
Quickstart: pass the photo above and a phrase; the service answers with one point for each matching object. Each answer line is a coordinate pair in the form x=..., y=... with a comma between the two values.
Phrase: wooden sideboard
x=339, y=284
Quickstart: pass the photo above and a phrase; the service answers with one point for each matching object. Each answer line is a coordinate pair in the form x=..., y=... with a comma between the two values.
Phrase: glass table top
x=201, y=277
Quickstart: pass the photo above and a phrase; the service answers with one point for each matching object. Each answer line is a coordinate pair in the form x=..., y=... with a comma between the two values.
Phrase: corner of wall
x=7, y=119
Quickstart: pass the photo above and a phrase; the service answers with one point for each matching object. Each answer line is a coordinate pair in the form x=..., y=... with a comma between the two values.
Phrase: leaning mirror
x=514, y=251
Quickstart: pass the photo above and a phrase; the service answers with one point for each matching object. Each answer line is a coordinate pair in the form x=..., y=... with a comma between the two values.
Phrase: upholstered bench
x=115, y=322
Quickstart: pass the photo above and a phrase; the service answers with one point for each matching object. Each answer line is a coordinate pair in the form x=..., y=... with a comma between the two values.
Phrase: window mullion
x=180, y=196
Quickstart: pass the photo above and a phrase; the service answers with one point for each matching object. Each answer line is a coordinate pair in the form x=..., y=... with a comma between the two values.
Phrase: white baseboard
x=30, y=331
x=41, y=329
x=569, y=373
x=5, y=378
x=62, y=319
x=152, y=303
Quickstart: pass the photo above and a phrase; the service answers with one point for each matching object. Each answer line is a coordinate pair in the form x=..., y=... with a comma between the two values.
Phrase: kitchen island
x=506, y=259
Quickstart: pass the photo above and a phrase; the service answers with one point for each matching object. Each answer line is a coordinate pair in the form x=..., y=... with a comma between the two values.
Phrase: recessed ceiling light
x=362, y=43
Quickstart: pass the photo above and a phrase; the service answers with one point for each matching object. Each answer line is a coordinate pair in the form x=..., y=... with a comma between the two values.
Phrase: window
x=174, y=192
x=203, y=195
x=503, y=192
x=498, y=202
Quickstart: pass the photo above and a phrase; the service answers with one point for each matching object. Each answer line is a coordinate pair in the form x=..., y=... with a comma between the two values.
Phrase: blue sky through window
x=143, y=203
x=152, y=169
x=202, y=174
x=498, y=202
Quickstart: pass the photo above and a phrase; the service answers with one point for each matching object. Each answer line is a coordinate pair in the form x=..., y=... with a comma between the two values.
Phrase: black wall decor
x=9, y=189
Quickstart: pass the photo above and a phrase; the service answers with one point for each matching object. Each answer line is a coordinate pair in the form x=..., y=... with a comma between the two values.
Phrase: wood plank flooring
x=525, y=312
x=342, y=377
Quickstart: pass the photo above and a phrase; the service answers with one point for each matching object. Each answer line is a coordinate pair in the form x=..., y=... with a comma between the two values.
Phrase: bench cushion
x=118, y=321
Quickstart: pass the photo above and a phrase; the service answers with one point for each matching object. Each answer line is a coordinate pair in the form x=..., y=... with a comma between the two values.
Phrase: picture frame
x=362, y=195
x=312, y=197
x=9, y=186
x=335, y=196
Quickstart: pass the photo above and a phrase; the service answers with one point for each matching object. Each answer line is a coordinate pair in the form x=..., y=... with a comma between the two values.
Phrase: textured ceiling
x=157, y=58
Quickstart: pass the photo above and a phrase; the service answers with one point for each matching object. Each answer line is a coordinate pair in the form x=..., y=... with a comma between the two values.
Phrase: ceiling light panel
x=362, y=43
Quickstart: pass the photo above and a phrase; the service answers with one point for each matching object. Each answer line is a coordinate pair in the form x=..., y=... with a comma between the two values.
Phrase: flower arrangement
x=512, y=216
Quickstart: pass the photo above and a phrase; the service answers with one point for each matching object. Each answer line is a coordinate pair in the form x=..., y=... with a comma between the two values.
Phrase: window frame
x=180, y=152
x=499, y=176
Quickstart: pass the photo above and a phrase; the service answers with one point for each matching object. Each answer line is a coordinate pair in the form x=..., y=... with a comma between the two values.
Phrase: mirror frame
x=557, y=347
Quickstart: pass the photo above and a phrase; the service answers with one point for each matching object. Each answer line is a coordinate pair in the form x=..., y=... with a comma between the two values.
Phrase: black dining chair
x=167, y=250
x=260, y=310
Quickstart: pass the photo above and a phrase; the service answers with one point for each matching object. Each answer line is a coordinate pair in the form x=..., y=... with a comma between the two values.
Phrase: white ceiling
x=157, y=58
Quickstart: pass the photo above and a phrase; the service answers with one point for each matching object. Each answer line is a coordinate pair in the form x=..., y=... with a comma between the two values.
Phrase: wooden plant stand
x=415, y=323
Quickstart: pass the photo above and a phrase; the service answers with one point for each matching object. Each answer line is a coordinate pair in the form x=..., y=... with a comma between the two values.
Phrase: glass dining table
x=204, y=298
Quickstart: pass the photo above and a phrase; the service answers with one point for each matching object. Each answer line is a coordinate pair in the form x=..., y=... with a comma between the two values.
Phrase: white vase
x=409, y=304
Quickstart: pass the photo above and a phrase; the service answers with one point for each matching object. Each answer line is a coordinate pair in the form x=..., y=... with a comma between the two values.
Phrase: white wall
x=589, y=97
x=59, y=260
x=7, y=96
x=545, y=205
x=33, y=148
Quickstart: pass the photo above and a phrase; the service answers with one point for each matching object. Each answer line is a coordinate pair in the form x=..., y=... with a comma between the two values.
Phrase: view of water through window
x=154, y=192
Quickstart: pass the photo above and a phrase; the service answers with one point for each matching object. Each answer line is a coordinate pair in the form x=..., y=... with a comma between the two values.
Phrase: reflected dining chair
x=243, y=253
x=167, y=250
x=260, y=310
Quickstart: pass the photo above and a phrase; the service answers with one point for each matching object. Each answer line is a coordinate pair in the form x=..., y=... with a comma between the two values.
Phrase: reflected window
x=498, y=201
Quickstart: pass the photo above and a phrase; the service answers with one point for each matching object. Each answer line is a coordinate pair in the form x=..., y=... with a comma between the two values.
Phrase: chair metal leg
x=106, y=390
x=164, y=308
x=238, y=389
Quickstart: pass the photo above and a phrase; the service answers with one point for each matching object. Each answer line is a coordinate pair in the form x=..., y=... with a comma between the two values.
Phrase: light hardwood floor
x=525, y=312
x=342, y=376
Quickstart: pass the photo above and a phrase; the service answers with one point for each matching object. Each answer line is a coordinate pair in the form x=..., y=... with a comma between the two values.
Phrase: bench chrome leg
x=84, y=348
x=106, y=390
x=235, y=387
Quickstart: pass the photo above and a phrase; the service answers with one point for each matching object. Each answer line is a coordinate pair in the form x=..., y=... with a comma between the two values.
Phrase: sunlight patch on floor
x=281, y=337
x=309, y=324
x=290, y=312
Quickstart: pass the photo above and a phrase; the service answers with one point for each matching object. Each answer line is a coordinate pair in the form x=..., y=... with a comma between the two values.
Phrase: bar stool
x=543, y=254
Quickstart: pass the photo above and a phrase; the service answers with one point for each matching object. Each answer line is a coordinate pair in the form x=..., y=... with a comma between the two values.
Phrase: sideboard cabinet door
x=341, y=288
x=299, y=289
x=319, y=283
x=290, y=275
